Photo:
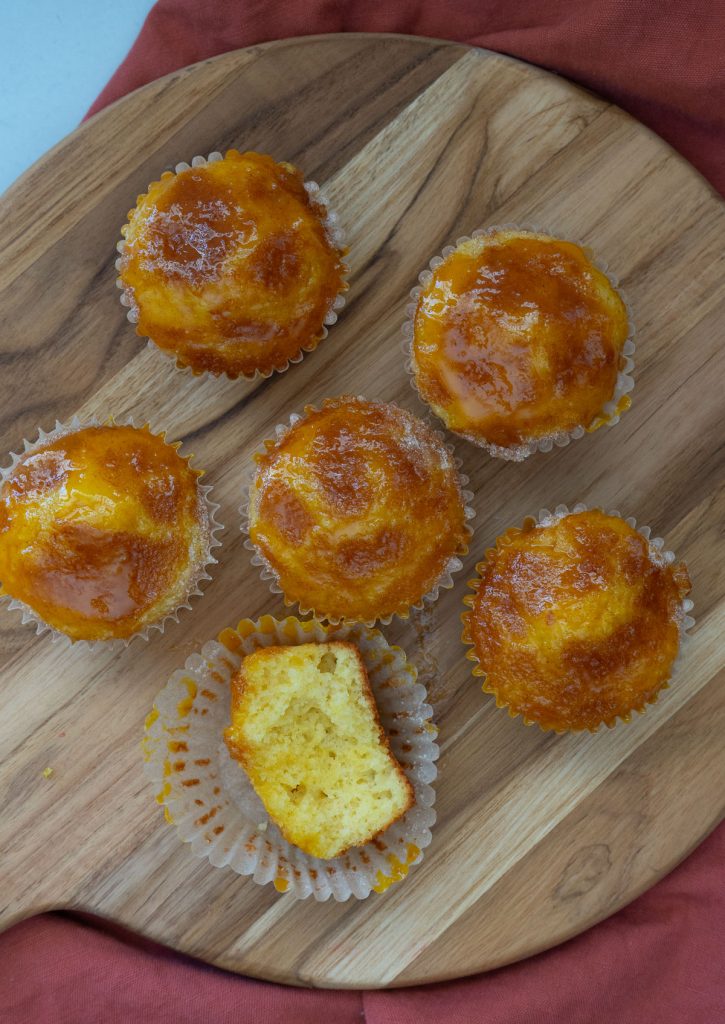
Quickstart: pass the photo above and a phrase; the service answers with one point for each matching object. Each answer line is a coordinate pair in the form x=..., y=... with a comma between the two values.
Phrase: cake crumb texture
x=306, y=729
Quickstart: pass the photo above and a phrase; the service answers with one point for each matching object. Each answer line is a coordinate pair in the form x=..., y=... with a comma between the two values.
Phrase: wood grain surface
x=416, y=142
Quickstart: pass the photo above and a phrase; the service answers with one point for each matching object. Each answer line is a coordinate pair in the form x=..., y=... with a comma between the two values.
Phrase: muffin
x=104, y=531
x=230, y=266
x=576, y=620
x=357, y=511
x=520, y=341
x=208, y=796
x=306, y=729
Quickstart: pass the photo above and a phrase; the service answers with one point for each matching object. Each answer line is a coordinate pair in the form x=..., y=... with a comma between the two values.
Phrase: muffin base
x=210, y=800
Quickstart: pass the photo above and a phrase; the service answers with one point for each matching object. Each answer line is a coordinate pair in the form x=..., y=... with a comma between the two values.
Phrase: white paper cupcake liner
x=209, y=799
x=269, y=575
x=611, y=411
x=659, y=555
x=335, y=236
x=30, y=617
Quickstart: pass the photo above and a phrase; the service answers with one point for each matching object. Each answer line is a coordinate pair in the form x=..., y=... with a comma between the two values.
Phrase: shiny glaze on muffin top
x=229, y=265
x=357, y=509
x=101, y=531
x=576, y=622
x=518, y=336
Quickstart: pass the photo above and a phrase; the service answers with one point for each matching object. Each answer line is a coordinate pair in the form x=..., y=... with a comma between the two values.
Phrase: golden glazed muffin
x=229, y=265
x=576, y=622
x=306, y=729
x=103, y=531
x=357, y=510
x=518, y=337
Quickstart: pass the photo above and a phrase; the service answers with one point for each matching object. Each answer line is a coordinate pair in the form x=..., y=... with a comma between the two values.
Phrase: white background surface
x=55, y=57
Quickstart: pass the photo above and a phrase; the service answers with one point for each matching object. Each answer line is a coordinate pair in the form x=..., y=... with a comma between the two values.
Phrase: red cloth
x=660, y=959
x=662, y=61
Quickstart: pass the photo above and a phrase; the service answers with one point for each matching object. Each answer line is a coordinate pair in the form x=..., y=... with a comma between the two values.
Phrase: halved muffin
x=306, y=729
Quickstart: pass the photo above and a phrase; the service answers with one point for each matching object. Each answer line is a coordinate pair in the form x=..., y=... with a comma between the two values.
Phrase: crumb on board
x=48, y=773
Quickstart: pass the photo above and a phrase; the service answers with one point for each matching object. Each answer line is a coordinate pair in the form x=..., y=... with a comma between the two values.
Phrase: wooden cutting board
x=417, y=142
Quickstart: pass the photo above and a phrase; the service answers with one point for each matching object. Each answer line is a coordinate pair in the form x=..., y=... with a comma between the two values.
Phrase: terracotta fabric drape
x=661, y=60
x=658, y=961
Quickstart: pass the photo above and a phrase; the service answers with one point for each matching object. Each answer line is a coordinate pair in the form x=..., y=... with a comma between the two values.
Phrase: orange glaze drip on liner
x=517, y=339
x=97, y=530
x=230, y=265
x=358, y=509
x=574, y=623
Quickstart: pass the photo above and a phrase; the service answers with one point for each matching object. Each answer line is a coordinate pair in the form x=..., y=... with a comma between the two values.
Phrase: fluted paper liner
x=659, y=555
x=335, y=236
x=213, y=526
x=610, y=412
x=211, y=802
x=269, y=574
